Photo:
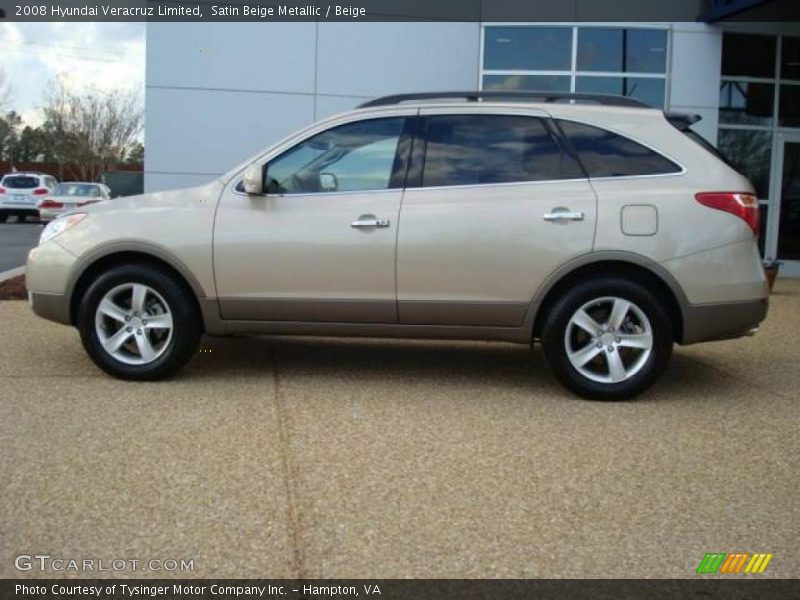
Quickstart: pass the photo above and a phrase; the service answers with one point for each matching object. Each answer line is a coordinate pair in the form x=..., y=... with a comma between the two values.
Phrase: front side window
x=353, y=157
x=483, y=149
x=606, y=154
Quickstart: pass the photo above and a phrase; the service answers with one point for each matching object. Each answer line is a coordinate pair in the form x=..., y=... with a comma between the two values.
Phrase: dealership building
x=220, y=92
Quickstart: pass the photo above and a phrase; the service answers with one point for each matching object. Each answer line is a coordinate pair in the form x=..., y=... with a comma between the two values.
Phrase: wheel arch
x=101, y=262
x=655, y=277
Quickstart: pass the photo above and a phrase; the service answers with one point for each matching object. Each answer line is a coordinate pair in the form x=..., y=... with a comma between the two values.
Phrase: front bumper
x=722, y=321
x=47, y=277
x=53, y=307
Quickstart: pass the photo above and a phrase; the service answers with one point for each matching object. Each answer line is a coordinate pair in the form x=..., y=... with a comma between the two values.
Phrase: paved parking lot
x=302, y=457
x=15, y=241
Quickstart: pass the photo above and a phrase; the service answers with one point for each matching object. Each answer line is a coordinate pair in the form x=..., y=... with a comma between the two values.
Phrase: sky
x=105, y=55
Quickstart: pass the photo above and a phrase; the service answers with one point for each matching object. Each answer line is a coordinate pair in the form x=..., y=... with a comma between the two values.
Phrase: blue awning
x=721, y=9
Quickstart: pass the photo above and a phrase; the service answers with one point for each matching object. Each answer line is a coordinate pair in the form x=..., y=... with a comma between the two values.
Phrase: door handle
x=563, y=215
x=370, y=222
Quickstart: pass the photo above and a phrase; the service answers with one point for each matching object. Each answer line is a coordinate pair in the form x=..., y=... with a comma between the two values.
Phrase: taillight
x=51, y=204
x=40, y=191
x=742, y=204
x=2, y=190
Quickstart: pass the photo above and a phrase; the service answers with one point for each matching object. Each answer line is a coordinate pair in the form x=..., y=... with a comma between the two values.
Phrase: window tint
x=470, y=149
x=351, y=157
x=606, y=154
x=20, y=182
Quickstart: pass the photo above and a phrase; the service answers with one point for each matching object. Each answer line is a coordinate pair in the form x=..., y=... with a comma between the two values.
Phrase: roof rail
x=474, y=96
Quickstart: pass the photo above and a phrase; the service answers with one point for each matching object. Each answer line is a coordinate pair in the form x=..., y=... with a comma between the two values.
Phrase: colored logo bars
x=734, y=563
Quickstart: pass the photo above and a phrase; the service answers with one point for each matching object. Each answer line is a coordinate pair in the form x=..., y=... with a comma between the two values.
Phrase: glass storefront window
x=536, y=58
x=543, y=83
x=528, y=48
x=746, y=103
x=748, y=55
x=648, y=90
x=790, y=58
x=789, y=114
x=749, y=152
x=622, y=50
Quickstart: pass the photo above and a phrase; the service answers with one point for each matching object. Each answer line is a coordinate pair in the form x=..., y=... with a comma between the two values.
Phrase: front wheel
x=137, y=323
x=607, y=339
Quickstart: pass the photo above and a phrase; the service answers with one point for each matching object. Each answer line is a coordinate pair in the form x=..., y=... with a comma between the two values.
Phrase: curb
x=5, y=275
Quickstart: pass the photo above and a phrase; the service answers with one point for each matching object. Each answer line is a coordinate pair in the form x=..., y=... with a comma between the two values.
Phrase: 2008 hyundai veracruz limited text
x=595, y=225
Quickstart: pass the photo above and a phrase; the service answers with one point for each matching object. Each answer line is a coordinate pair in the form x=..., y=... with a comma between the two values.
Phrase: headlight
x=60, y=225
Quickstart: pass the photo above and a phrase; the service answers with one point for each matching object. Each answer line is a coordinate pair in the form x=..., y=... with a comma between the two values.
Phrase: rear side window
x=20, y=182
x=483, y=149
x=606, y=154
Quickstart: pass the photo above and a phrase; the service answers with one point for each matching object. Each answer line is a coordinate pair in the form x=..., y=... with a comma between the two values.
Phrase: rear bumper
x=722, y=321
x=29, y=211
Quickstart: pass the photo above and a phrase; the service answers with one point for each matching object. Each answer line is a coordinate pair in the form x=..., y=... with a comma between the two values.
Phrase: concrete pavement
x=316, y=457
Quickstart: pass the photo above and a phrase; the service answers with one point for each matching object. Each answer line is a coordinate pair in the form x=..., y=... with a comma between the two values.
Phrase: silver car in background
x=69, y=195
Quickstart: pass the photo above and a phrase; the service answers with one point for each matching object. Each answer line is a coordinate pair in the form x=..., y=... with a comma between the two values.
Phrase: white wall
x=218, y=93
x=695, y=74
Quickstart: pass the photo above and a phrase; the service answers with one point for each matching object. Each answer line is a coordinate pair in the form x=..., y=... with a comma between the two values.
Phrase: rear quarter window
x=606, y=154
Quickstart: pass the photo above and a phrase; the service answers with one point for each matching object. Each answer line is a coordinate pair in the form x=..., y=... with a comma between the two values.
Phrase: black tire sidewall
x=562, y=311
x=186, y=325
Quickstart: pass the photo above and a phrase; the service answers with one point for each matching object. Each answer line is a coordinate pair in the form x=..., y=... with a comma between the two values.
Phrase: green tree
x=136, y=155
x=10, y=124
x=33, y=145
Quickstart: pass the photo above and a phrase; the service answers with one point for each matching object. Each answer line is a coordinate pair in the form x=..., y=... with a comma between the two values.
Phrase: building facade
x=219, y=93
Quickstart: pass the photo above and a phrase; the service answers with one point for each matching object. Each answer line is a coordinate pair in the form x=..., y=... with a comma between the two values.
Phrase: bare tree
x=5, y=91
x=91, y=129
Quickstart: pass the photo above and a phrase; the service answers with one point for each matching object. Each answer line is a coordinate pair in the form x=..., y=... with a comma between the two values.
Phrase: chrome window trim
x=303, y=194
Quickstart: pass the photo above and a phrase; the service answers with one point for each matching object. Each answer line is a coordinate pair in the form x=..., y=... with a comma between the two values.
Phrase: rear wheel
x=137, y=323
x=607, y=339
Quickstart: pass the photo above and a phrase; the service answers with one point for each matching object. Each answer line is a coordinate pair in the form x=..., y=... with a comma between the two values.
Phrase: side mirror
x=328, y=182
x=253, y=181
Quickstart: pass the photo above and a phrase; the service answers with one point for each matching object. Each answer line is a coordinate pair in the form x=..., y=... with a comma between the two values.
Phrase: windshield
x=20, y=182
x=83, y=190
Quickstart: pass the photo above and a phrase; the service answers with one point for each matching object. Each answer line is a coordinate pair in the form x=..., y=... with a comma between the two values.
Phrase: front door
x=319, y=244
x=498, y=205
x=785, y=220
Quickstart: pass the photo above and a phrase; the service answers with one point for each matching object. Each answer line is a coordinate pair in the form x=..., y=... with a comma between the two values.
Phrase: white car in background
x=70, y=195
x=20, y=194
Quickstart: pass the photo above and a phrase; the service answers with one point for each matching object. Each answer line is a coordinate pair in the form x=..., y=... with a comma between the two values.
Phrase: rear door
x=494, y=205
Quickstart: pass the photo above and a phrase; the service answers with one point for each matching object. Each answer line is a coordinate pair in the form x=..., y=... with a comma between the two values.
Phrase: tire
x=152, y=342
x=3, y=217
x=620, y=363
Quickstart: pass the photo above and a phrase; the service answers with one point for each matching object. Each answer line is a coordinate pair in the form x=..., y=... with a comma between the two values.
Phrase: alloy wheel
x=608, y=339
x=134, y=323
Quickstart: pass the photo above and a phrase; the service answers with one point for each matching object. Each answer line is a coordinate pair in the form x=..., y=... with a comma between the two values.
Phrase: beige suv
x=591, y=223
